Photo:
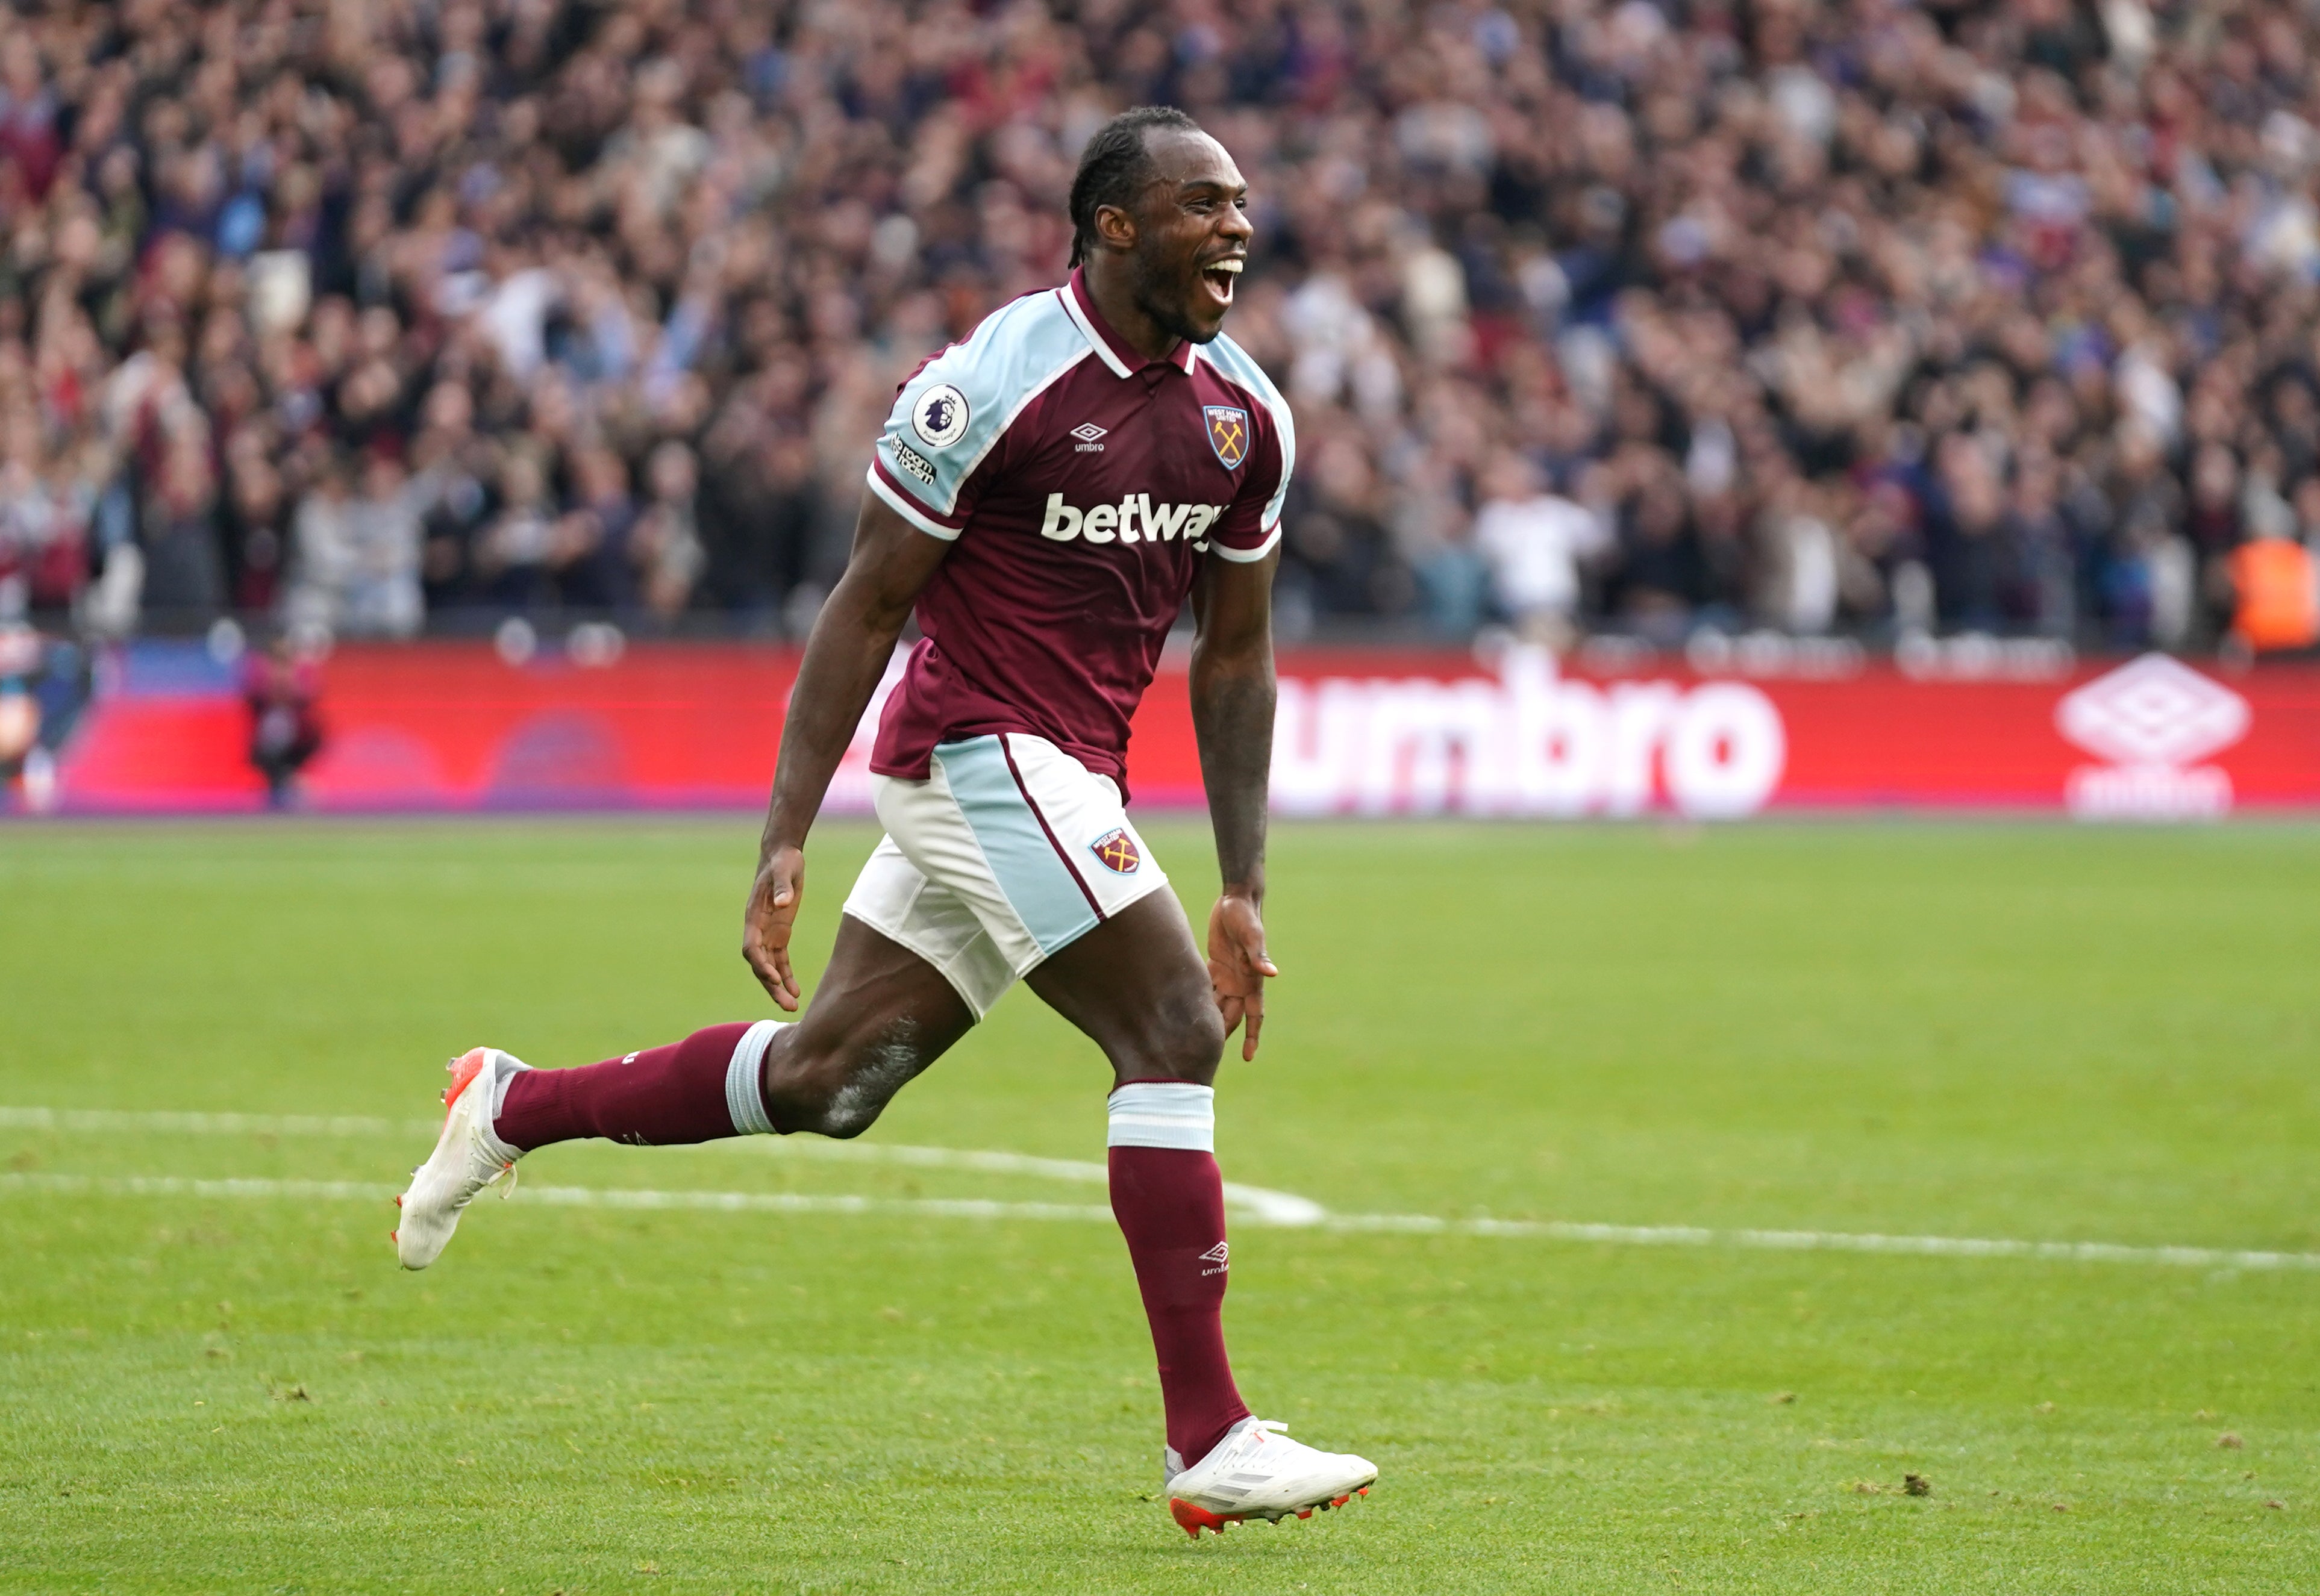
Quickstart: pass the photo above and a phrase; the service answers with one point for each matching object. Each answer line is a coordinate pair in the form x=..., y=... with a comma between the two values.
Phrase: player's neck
x=1115, y=301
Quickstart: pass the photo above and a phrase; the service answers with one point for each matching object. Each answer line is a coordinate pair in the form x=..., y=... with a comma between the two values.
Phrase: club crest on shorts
x=1227, y=433
x=1117, y=850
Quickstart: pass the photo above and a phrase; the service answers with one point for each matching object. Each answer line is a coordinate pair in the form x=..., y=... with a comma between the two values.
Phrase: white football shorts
x=1009, y=851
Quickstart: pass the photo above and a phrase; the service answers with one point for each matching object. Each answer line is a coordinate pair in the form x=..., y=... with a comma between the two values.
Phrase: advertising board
x=455, y=726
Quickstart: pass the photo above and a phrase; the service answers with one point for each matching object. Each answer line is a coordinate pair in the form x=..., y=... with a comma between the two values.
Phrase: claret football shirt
x=1081, y=485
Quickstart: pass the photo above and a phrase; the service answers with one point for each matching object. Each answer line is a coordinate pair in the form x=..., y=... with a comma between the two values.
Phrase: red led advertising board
x=441, y=726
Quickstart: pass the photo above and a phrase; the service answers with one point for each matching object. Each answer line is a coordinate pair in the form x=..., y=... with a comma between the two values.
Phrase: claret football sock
x=700, y=1089
x=1170, y=1202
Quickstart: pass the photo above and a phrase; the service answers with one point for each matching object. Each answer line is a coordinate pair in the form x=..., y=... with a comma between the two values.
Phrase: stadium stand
x=1867, y=317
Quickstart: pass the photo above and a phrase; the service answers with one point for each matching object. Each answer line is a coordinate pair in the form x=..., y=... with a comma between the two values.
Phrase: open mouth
x=1221, y=274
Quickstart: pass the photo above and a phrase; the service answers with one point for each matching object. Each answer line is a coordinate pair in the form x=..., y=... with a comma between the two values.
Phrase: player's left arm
x=1232, y=691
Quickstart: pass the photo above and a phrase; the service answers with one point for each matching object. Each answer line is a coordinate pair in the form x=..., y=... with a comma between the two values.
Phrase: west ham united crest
x=1117, y=850
x=1227, y=433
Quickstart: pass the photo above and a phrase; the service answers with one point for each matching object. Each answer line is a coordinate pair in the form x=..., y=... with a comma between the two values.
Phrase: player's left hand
x=1238, y=966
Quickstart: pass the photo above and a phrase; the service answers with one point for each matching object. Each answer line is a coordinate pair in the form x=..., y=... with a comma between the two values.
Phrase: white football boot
x=466, y=1159
x=1257, y=1472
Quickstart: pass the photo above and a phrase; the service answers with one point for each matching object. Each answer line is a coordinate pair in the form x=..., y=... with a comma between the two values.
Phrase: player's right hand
x=765, y=924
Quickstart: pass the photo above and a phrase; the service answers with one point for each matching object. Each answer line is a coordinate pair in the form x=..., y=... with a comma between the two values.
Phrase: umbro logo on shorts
x=1117, y=851
x=1134, y=520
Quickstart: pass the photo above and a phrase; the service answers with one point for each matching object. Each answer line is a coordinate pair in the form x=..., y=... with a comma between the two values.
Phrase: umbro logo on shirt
x=1087, y=432
x=1134, y=520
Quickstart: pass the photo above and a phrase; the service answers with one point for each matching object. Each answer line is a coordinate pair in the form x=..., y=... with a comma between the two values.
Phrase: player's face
x=1192, y=235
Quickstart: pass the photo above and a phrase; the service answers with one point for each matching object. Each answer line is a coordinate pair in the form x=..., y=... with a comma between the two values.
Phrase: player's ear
x=1116, y=226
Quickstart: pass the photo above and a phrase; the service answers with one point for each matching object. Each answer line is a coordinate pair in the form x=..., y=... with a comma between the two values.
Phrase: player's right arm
x=939, y=449
x=852, y=640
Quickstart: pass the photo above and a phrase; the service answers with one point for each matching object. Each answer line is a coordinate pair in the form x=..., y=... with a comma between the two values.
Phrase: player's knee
x=839, y=1087
x=1186, y=1046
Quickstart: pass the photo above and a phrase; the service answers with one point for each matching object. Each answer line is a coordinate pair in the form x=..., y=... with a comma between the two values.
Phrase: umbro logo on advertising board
x=1134, y=520
x=2155, y=718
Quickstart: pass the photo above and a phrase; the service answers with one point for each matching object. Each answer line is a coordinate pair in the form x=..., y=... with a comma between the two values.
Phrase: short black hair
x=1114, y=167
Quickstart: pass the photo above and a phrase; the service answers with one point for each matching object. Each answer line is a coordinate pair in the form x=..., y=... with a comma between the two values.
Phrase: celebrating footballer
x=1044, y=498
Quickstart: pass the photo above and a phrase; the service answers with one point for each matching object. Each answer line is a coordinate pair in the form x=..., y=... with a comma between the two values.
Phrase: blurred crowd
x=1637, y=316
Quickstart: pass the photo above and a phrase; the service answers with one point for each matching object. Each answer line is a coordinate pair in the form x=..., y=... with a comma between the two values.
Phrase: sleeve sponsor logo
x=939, y=416
x=1227, y=433
x=916, y=464
x=1134, y=520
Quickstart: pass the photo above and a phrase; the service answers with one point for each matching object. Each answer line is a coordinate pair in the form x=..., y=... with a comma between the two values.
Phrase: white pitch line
x=561, y=1196
x=2084, y=1252
x=110, y=1121
x=576, y=1196
x=1270, y=1208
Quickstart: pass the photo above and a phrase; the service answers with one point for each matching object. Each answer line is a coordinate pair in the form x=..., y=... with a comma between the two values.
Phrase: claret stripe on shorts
x=1049, y=895
x=1007, y=747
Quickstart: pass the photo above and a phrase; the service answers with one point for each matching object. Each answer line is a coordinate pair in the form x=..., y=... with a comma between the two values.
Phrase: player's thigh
x=891, y=1000
x=873, y=982
x=1137, y=985
x=879, y=1016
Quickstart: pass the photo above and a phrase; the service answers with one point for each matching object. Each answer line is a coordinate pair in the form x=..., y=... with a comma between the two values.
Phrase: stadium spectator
x=667, y=552
x=283, y=689
x=46, y=683
x=1537, y=545
x=1834, y=314
x=2277, y=591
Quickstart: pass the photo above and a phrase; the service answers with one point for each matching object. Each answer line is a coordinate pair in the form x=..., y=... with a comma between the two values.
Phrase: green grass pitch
x=2028, y=1033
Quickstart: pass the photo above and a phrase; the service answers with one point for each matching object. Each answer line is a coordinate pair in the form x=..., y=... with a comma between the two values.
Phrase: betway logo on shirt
x=1134, y=520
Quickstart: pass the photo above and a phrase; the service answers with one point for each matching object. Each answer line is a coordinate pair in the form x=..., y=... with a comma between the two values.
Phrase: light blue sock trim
x=509, y=1068
x=504, y=1067
x=1164, y=1113
x=744, y=1100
